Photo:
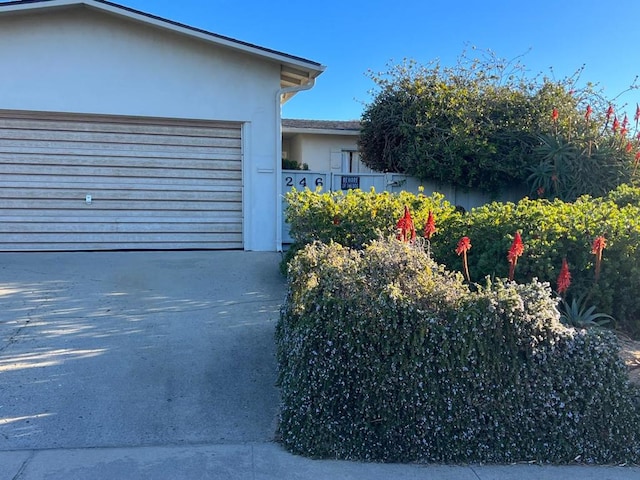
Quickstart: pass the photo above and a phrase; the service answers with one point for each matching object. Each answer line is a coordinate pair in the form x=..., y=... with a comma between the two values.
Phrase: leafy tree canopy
x=485, y=124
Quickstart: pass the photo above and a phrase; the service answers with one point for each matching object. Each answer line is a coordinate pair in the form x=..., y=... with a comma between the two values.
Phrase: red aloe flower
x=464, y=245
x=564, y=279
x=516, y=250
x=401, y=226
x=624, y=131
x=587, y=115
x=596, y=248
x=628, y=147
x=599, y=243
x=430, y=227
x=554, y=115
x=637, y=115
x=609, y=112
x=616, y=124
x=625, y=121
x=637, y=158
x=406, y=229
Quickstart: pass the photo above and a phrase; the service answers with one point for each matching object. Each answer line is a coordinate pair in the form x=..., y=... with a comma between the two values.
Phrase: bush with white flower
x=386, y=356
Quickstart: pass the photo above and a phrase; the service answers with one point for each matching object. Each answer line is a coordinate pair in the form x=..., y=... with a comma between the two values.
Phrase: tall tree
x=484, y=124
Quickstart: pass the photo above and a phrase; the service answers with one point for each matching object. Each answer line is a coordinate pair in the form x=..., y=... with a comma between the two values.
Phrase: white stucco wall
x=293, y=148
x=82, y=61
x=321, y=152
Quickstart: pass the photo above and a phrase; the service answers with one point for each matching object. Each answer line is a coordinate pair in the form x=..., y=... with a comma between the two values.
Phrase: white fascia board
x=321, y=131
x=314, y=68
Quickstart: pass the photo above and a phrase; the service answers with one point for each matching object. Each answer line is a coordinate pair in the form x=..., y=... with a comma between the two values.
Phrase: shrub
x=484, y=123
x=386, y=356
x=551, y=231
x=355, y=217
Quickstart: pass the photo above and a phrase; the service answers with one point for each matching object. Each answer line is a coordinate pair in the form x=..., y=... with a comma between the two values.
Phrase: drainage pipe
x=278, y=114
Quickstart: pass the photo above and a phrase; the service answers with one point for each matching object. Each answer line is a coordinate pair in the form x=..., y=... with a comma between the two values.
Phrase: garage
x=120, y=130
x=92, y=182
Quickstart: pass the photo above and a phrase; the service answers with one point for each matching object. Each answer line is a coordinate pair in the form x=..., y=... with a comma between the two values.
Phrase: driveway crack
x=474, y=472
x=24, y=465
x=15, y=335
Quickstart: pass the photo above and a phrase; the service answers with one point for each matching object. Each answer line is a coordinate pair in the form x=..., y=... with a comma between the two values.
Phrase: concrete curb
x=260, y=461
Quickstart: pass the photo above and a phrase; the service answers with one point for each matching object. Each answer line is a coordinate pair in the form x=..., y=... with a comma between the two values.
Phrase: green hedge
x=551, y=231
x=385, y=356
x=355, y=217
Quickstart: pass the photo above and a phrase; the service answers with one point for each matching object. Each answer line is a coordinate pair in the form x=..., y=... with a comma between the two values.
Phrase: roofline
x=309, y=67
x=321, y=127
x=321, y=131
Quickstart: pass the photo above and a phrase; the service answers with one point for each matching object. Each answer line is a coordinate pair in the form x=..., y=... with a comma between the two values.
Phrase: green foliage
x=293, y=165
x=551, y=231
x=485, y=124
x=579, y=314
x=582, y=157
x=386, y=356
x=625, y=195
x=355, y=217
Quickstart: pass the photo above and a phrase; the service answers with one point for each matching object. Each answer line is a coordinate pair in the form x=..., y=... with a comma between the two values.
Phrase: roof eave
x=320, y=131
x=295, y=71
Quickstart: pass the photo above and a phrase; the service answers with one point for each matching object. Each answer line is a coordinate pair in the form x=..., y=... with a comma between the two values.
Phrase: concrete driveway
x=137, y=349
x=160, y=365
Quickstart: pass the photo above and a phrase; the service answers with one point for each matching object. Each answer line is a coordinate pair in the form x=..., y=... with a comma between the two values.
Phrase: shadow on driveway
x=137, y=348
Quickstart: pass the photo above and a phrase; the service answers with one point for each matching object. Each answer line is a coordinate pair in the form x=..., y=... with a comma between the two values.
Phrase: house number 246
x=303, y=182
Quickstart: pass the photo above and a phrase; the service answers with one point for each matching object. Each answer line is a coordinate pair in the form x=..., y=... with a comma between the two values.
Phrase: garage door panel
x=135, y=183
x=113, y=205
x=115, y=238
x=77, y=148
x=134, y=194
x=60, y=123
x=119, y=173
x=102, y=246
x=154, y=183
x=150, y=216
x=85, y=139
x=118, y=227
x=55, y=156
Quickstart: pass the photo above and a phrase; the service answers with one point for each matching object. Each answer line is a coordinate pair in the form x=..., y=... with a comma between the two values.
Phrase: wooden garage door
x=101, y=183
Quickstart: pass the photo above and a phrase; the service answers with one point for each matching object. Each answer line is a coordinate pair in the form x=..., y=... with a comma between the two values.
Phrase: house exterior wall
x=80, y=61
x=321, y=152
x=294, y=149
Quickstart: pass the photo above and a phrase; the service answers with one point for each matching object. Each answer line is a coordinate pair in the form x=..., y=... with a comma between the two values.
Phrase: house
x=330, y=151
x=323, y=145
x=123, y=130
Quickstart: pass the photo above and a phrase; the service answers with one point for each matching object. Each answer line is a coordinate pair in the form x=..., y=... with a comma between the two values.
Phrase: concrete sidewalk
x=262, y=461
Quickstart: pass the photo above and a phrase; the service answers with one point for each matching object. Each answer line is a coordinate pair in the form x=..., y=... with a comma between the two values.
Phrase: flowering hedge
x=553, y=232
x=355, y=217
x=386, y=356
x=550, y=232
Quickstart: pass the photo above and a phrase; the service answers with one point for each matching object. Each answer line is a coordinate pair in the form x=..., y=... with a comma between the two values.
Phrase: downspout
x=278, y=113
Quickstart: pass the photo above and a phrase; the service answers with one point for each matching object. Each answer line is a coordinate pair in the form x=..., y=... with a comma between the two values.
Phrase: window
x=351, y=162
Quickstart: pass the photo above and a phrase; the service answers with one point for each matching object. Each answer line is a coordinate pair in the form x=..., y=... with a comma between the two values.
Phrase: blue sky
x=350, y=37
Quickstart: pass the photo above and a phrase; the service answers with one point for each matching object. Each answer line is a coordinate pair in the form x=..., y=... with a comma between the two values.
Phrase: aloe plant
x=580, y=315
